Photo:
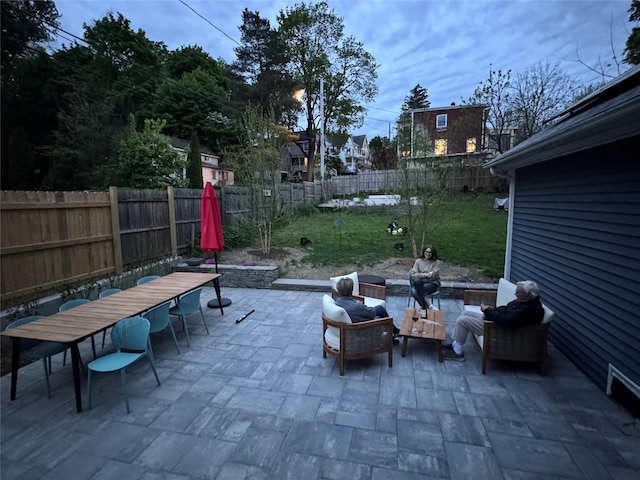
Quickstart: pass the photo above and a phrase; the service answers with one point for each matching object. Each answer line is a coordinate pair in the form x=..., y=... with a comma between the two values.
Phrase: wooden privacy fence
x=52, y=241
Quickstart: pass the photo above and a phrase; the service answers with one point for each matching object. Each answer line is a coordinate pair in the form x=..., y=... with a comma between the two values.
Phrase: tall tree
x=632, y=50
x=262, y=60
x=496, y=94
x=25, y=26
x=194, y=167
x=383, y=153
x=318, y=49
x=540, y=93
x=418, y=98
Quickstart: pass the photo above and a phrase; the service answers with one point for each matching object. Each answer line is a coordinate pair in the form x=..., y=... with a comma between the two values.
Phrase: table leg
x=15, y=364
x=404, y=345
x=75, y=364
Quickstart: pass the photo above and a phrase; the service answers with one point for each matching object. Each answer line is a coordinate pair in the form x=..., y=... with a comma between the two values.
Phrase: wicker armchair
x=347, y=341
x=523, y=344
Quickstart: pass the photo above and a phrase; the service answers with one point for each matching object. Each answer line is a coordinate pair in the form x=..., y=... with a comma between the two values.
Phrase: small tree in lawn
x=194, y=167
x=257, y=168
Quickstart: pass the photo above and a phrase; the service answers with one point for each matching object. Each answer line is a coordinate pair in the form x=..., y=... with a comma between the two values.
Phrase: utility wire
x=209, y=22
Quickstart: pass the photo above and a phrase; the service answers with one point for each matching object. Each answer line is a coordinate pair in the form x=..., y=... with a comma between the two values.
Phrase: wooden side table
x=431, y=328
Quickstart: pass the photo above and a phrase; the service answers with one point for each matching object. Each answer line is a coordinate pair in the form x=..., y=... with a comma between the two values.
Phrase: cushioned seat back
x=353, y=276
x=548, y=314
x=506, y=292
x=337, y=314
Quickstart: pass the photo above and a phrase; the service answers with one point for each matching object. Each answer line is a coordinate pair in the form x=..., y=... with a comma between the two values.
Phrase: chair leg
x=93, y=347
x=89, y=388
x=153, y=367
x=46, y=376
x=104, y=335
x=149, y=347
x=123, y=376
x=175, y=340
x=204, y=321
x=184, y=326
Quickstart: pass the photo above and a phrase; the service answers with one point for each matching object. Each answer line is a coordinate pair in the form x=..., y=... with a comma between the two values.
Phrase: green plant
x=238, y=237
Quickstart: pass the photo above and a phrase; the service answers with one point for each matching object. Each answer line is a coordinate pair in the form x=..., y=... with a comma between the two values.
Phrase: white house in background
x=354, y=153
x=211, y=170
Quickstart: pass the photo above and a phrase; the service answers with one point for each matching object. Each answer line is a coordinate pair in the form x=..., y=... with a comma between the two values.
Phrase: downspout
x=509, y=175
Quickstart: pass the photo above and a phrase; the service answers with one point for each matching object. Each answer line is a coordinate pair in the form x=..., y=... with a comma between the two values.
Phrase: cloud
x=445, y=46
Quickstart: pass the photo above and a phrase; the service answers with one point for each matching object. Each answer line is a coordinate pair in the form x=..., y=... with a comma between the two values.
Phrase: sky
x=446, y=46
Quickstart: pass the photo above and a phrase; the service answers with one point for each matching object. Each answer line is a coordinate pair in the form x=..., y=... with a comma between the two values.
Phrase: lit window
x=441, y=147
x=471, y=145
x=441, y=121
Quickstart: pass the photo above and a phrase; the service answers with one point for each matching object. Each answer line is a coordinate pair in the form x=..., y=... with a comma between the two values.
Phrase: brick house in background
x=448, y=130
x=211, y=170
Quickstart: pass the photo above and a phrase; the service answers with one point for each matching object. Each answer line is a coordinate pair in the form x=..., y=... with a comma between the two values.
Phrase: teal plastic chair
x=130, y=336
x=159, y=320
x=146, y=279
x=106, y=293
x=33, y=350
x=413, y=294
x=71, y=304
x=186, y=305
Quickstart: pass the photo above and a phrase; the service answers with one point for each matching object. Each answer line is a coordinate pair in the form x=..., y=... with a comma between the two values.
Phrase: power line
x=209, y=22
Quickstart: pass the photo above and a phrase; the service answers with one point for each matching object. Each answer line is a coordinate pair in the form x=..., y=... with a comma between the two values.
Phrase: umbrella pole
x=218, y=302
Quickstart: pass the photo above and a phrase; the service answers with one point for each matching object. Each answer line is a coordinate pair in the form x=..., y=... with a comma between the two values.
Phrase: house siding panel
x=577, y=233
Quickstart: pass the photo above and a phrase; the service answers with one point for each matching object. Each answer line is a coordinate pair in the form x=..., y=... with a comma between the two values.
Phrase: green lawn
x=465, y=230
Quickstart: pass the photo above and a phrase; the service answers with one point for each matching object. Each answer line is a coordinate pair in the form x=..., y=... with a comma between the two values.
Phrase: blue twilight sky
x=446, y=46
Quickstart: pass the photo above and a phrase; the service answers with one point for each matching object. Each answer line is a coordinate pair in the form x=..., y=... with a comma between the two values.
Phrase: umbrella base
x=224, y=302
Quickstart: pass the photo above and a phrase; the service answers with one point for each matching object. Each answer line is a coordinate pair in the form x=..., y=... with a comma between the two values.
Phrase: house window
x=471, y=145
x=441, y=147
x=441, y=121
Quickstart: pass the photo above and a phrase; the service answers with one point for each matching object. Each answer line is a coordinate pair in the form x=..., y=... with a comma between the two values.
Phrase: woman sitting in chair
x=425, y=275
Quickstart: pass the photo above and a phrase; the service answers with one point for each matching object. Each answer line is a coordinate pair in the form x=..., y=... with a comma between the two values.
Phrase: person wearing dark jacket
x=358, y=311
x=525, y=310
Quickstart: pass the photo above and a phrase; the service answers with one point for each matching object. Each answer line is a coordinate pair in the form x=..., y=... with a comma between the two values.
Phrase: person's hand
x=483, y=307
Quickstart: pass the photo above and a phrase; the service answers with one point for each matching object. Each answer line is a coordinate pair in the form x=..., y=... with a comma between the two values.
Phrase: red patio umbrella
x=211, y=237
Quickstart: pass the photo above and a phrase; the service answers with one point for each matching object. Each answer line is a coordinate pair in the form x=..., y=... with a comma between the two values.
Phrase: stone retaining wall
x=237, y=275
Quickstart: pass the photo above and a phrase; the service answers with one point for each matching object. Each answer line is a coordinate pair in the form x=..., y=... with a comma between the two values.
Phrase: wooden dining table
x=76, y=324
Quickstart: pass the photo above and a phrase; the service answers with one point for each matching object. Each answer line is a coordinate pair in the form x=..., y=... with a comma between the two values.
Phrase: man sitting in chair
x=358, y=311
x=525, y=310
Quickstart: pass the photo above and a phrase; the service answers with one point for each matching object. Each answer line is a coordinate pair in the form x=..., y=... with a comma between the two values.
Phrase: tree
x=496, y=94
x=145, y=159
x=383, y=153
x=257, y=168
x=632, y=50
x=25, y=25
x=262, y=60
x=540, y=93
x=417, y=98
x=318, y=49
x=194, y=167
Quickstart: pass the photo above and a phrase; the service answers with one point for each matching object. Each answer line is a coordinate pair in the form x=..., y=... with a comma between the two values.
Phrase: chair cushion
x=506, y=292
x=337, y=314
x=353, y=276
x=333, y=311
x=548, y=314
x=374, y=302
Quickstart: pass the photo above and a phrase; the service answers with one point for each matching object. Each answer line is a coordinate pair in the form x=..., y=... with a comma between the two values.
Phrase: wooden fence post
x=173, y=230
x=115, y=229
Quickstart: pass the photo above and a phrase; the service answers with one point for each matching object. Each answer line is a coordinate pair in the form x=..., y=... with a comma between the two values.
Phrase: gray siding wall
x=576, y=232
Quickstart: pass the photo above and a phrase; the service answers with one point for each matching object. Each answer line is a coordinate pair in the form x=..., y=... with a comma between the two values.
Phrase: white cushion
x=374, y=302
x=506, y=292
x=473, y=308
x=337, y=314
x=353, y=276
x=333, y=311
x=548, y=314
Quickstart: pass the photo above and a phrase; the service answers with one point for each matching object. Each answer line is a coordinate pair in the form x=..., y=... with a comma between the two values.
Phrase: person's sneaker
x=452, y=355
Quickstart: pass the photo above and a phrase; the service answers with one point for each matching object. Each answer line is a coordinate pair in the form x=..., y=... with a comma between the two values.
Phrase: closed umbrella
x=211, y=236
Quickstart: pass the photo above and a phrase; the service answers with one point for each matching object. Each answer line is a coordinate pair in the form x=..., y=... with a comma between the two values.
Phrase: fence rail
x=51, y=241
